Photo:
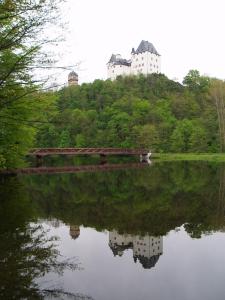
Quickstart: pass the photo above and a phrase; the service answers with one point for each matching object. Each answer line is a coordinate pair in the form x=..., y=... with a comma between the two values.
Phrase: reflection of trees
x=153, y=200
x=27, y=253
x=221, y=200
x=25, y=256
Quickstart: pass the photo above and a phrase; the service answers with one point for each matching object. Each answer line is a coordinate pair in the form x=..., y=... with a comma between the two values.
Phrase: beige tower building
x=72, y=78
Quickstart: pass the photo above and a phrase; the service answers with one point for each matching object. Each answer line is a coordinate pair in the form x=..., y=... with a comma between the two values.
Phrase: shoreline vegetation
x=211, y=157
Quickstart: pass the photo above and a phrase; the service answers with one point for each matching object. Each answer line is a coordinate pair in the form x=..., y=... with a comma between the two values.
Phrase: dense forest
x=140, y=111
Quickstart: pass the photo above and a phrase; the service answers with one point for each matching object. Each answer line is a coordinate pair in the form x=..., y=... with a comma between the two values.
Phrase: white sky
x=189, y=34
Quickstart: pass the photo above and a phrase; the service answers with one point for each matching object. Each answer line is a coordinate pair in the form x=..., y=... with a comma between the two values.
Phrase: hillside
x=152, y=112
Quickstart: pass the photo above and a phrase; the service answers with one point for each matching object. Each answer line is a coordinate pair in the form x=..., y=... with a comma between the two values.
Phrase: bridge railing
x=106, y=151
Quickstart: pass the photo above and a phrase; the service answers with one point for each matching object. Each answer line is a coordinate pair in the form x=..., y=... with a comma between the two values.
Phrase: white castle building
x=146, y=249
x=145, y=60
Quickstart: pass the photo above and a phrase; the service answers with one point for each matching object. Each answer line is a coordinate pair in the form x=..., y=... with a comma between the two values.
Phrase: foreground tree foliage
x=21, y=40
x=146, y=111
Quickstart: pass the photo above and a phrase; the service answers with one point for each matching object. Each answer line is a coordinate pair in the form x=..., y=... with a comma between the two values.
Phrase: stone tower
x=72, y=78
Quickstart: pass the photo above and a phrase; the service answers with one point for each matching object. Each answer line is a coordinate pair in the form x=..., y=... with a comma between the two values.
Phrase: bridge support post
x=39, y=161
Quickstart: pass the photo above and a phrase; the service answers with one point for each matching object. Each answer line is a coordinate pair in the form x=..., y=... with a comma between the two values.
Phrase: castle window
x=142, y=58
x=142, y=65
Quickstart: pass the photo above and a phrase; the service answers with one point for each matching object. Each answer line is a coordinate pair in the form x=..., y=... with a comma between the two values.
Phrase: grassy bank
x=217, y=157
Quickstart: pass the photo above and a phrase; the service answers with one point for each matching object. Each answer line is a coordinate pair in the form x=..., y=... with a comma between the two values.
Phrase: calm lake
x=144, y=232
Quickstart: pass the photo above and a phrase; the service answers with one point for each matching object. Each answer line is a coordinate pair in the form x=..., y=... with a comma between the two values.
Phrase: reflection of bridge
x=75, y=169
x=147, y=249
x=87, y=151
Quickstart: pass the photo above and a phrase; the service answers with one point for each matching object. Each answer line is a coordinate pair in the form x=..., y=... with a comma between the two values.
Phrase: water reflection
x=138, y=207
x=147, y=249
x=153, y=200
x=74, y=231
x=27, y=251
x=26, y=255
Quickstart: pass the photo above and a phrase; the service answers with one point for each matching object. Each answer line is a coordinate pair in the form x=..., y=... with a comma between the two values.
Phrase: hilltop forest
x=140, y=111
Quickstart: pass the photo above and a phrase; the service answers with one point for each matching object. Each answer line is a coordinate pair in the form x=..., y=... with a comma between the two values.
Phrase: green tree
x=180, y=139
x=217, y=93
x=196, y=82
x=146, y=136
x=21, y=40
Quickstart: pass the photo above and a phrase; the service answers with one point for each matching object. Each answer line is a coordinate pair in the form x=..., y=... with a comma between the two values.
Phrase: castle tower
x=144, y=60
x=72, y=78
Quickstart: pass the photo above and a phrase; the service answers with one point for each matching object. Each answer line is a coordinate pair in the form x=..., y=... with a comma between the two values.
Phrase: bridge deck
x=87, y=151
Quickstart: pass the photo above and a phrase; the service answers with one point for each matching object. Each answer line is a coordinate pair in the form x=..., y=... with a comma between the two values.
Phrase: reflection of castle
x=74, y=231
x=146, y=249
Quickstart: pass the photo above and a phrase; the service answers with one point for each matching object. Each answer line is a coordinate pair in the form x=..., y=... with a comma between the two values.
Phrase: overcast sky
x=189, y=34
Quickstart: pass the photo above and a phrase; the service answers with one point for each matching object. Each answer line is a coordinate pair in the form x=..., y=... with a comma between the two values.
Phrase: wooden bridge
x=41, y=152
